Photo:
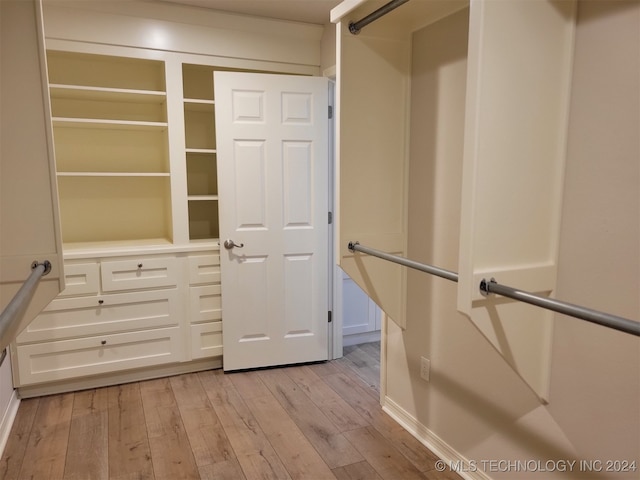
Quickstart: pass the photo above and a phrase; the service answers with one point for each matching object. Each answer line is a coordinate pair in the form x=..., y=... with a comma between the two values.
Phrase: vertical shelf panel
x=515, y=135
x=372, y=157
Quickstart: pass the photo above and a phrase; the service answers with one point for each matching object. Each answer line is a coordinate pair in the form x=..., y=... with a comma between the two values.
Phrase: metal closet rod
x=16, y=307
x=355, y=27
x=488, y=287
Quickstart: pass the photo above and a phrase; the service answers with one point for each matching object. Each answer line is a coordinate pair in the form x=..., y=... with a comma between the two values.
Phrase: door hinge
x=330, y=111
x=330, y=218
x=329, y=316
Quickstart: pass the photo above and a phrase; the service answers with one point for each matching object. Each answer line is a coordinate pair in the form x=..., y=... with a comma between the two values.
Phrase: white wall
x=474, y=403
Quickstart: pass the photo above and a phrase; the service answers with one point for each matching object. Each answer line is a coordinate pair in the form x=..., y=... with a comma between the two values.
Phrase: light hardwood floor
x=304, y=422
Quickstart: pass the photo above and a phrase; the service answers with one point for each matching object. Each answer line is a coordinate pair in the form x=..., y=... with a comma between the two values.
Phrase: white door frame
x=335, y=272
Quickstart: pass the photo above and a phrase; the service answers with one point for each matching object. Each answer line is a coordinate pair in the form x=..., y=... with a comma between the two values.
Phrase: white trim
x=342, y=9
x=358, y=338
x=7, y=419
x=181, y=29
x=433, y=442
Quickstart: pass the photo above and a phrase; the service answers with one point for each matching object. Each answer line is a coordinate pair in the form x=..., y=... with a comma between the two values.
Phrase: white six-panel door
x=272, y=155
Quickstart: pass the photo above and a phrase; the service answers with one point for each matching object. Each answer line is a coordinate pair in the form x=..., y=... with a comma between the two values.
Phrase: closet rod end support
x=352, y=246
x=485, y=286
x=46, y=264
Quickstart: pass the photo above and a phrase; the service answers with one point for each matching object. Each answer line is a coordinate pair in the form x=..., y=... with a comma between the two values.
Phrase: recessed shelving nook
x=110, y=134
x=200, y=149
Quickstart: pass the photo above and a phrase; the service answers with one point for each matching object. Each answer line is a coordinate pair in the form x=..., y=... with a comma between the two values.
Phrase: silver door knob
x=229, y=244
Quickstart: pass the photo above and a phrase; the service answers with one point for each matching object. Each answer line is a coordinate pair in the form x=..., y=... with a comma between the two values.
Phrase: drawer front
x=76, y=317
x=204, y=269
x=53, y=361
x=205, y=303
x=206, y=340
x=139, y=273
x=81, y=279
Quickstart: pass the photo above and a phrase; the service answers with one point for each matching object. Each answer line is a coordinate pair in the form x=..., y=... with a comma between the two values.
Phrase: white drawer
x=205, y=303
x=139, y=273
x=206, y=340
x=96, y=315
x=81, y=279
x=204, y=269
x=61, y=360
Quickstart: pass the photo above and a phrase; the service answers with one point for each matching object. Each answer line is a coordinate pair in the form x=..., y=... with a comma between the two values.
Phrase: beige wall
x=595, y=390
x=328, y=47
x=474, y=402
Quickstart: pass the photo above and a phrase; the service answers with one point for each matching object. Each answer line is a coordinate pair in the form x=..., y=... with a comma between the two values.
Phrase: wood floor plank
x=88, y=451
x=359, y=362
x=324, y=368
x=255, y=454
x=296, y=452
x=208, y=440
x=382, y=455
x=356, y=471
x=347, y=368
x=369, y=408
x=343, y=416
x=228, y=470
x=47, y=446
x=16, y=446
x=129, y=451
x=321, y=432
x=372, y=349
x=170, y=449
x=248, y=384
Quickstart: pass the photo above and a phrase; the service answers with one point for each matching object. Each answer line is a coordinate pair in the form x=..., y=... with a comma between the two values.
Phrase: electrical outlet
x=425, y=367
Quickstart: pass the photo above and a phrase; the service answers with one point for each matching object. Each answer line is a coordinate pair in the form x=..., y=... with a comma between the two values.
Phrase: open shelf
x=81, y=147
x=108, y=124
x=200, y=126
x=203, y=220
x=105, y=94
x=202, y=175
x=114, y=208
x=91, y=70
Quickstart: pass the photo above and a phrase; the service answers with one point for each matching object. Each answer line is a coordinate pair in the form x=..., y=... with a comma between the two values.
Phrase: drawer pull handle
x=100, y=302
x=139, y=265
x=103, y=342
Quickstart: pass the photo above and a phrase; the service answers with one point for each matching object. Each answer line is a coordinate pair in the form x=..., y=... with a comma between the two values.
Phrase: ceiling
x=307, y=11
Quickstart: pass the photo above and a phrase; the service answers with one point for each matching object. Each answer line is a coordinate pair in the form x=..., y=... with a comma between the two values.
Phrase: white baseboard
x=7, y=419
x=359, y=338
x=442, y=449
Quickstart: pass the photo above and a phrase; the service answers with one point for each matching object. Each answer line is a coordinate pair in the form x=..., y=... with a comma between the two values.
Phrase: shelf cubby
x=114, y=208
x=203, y=219
x=84, y=148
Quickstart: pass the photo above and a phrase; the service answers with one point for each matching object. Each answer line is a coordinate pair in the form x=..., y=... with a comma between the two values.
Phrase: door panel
x=272, y=138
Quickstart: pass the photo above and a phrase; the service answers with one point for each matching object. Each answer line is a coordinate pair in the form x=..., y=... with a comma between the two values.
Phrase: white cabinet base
x=117, y=378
